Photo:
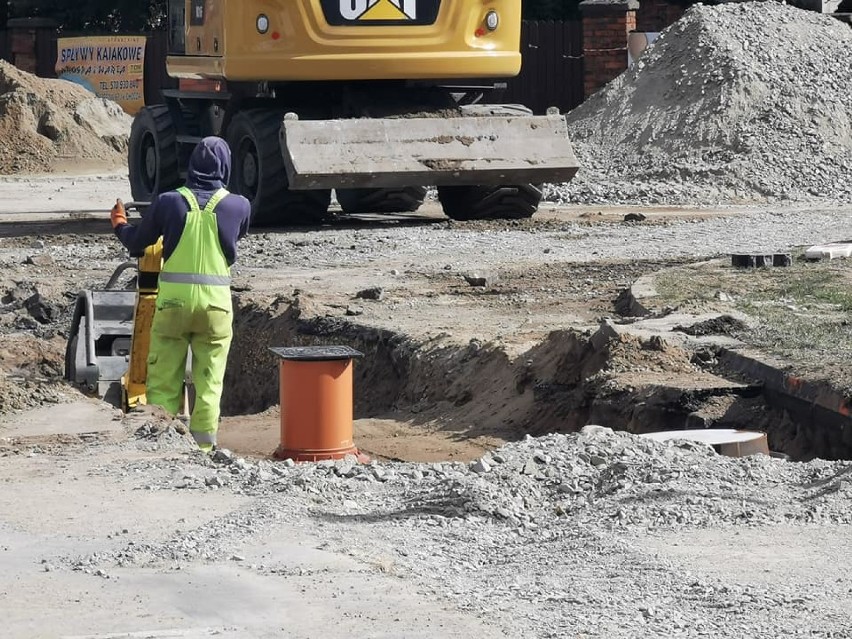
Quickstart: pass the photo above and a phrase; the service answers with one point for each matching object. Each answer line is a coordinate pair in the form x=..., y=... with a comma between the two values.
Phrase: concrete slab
x=830, y=251
x=730, y=442
x=56, y=510
x=665, y=326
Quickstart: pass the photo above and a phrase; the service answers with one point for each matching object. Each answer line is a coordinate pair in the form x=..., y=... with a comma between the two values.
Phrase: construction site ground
x=113, y=526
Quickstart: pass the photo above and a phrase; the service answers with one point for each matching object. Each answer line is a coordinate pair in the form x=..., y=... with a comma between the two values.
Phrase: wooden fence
x=552, y=72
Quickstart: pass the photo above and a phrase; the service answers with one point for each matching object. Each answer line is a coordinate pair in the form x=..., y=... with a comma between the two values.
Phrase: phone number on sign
x=120, y=84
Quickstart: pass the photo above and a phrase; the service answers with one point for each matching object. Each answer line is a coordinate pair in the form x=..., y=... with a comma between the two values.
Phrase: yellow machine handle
x=134, y=382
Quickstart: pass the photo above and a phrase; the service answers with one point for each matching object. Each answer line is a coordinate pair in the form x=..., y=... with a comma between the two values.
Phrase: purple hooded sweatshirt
x=209, y=171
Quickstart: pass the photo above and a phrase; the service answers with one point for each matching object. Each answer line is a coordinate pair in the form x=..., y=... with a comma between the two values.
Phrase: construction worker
x=200, y=224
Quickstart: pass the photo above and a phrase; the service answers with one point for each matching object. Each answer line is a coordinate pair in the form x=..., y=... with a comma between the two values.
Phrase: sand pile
x=47, y=122
x=734, y=103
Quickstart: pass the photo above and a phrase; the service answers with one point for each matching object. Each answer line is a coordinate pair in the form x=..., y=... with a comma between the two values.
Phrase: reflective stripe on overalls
x=193, y=311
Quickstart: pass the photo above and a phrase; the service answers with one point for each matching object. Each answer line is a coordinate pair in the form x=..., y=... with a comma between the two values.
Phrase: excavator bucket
x=454, y=150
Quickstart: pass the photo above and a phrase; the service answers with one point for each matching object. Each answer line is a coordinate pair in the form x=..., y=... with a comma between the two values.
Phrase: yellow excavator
x=375, y=99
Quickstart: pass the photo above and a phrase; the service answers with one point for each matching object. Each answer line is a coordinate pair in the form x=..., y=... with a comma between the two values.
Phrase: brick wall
x=606, y=24
x=656, y=15
x=28, y=39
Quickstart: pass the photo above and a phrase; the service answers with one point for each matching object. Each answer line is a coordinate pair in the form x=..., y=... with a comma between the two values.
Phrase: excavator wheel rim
x=245, y=159
x=250, y=170
x=149, y=152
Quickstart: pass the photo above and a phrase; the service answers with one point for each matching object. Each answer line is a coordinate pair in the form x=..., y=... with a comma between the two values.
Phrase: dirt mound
x=734, y=103
x=722, y=325
x=46, y=122
x=152, y=428
x=29, y=371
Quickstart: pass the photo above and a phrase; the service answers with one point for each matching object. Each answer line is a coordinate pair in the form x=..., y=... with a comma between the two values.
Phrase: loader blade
x=393, y=152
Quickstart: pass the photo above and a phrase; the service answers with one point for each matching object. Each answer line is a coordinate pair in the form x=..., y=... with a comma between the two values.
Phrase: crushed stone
x=613, y=480
x=151, y=428
x=739, y=102
x=546, y=521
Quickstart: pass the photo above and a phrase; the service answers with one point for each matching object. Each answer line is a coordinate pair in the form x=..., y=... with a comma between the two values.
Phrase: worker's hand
x=117, y=215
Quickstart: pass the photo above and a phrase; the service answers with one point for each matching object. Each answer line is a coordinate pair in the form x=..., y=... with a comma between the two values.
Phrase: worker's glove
x=117, y=215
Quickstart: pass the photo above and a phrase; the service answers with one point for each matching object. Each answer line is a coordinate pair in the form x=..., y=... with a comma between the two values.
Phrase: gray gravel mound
x=734, y=103
x=544, y=521
x=600, y=477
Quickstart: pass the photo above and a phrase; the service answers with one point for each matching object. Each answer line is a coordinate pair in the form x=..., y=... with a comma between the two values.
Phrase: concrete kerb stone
x=642, y=298
x=665, y=328
x=639, y=296
x=831, y=251
x=481, y=278
x=768, y=260
x=597, y=7
x=733, y=354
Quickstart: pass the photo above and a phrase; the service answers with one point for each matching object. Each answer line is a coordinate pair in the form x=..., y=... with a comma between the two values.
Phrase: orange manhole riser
x=316, y=410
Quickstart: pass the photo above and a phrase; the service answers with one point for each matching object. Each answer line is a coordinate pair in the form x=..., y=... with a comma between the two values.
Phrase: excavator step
x=442, y=151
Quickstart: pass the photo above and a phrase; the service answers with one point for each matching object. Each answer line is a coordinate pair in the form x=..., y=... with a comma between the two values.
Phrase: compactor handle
x=140, y=207
x=136, y=206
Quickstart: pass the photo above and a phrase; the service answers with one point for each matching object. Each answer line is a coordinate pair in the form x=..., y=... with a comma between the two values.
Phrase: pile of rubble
x=597, y=476
x=45, y=123
x=740, y=102
x=543, y=521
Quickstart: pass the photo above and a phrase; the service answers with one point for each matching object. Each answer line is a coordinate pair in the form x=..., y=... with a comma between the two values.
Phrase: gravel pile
x=603, y=475
x=19, y=393
x=738, y=102
x=613, y=480
x=544, y=522
x=152, y=429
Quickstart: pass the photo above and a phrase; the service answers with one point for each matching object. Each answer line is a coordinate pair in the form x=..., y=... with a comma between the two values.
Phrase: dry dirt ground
x=450, y=371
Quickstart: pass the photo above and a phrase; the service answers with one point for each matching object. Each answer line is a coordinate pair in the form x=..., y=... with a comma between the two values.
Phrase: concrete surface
x=57, y=508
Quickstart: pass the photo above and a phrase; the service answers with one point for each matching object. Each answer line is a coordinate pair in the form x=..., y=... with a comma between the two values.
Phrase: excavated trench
x=419, y=401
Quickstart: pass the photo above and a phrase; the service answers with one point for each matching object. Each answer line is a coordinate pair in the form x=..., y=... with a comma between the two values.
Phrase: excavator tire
x=152, y=154
x=406, y=199
x=490, y=202
x=258, y=173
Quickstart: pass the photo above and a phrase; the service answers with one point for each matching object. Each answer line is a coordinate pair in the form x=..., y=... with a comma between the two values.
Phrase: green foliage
x=100, y=16
x=551, y=9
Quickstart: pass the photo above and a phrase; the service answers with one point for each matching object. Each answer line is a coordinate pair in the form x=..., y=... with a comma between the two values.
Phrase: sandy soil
x=382, y=439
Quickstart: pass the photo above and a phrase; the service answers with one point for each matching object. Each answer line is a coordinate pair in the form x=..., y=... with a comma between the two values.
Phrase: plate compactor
x=107, y=351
